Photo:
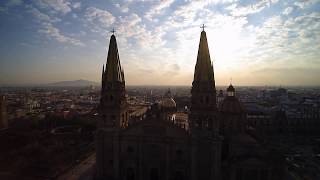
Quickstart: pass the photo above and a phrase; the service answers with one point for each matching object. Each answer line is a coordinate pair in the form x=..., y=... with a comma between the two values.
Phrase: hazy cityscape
x=57, y=124
x=159, y=90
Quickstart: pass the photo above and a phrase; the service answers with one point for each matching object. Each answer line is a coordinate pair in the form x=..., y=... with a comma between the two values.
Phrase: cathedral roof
x=168, y=103
x=231, y=104
x=113, y=71
x=204, y=68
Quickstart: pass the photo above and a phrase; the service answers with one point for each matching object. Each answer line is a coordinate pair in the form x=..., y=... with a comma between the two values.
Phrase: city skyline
x=253, y=42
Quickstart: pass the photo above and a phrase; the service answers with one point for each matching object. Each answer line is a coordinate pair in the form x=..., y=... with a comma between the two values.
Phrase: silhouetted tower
x=203, y=117
x=3, y=113
x=203, y=114
x=113, y=103
x=232, y=114
x=114, y=116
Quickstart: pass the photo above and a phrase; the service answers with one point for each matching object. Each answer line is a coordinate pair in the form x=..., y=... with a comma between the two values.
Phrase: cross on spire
x=113, y=31
x=203, y=26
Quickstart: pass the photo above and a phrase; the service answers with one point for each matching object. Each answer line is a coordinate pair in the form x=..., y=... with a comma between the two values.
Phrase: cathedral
x=214, y=144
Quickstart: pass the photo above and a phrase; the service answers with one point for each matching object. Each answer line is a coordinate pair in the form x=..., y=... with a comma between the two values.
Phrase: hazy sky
x=262, y=42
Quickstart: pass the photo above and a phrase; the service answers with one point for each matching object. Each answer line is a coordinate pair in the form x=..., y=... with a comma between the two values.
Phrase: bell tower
x=203, y=111
x=113, y=104
x=203, y=118
x=113, y=114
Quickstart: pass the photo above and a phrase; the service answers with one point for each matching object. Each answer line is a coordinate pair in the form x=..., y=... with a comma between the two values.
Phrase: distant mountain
x=76, y=83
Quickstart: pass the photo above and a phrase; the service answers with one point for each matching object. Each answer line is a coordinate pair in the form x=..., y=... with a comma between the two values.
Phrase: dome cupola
x=168, y=103
x=231, y=91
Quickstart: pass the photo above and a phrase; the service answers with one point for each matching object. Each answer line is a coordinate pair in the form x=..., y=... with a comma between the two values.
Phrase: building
x=3, y=113
x=157, y=148
x=243, y=156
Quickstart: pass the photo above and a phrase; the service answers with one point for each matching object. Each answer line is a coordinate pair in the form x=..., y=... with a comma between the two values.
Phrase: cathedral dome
x=168, y=103
x=231, y=104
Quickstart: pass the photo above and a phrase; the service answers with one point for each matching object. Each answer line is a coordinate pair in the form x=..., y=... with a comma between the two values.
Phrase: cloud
x=41, y=16
x=54, y=33
x=12, y=3
x=158, y=40
x=130, y=20
x=287, y=11
x=158, y=8
x=47, y=27
x=305, y=3
x=123, y=8
x=103, y=17
x=61, y=6
x=237, y=9
x=76, y=5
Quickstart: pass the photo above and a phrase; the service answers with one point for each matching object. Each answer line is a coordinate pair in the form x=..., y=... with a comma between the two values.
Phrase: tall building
x=158, y=148
x=203, y=117
x=114, y=116
x=232, y=113
x=3, y=113
x=244, y=157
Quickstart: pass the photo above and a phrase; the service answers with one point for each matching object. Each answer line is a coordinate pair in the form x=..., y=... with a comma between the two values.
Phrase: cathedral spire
x=102, y=78
x=203, y=110
x=113, y=70
x=102, y=71
x=113, y=93
x=204, y=68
